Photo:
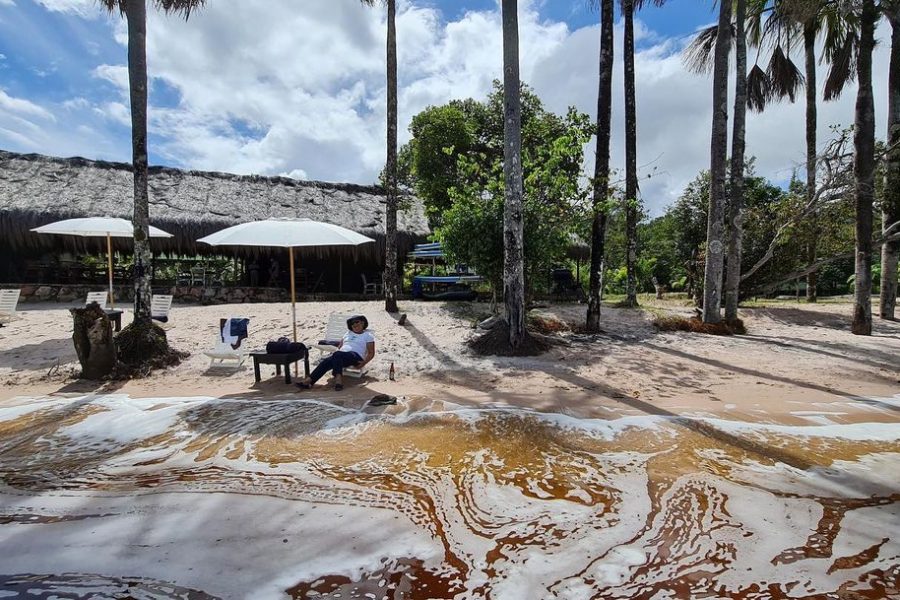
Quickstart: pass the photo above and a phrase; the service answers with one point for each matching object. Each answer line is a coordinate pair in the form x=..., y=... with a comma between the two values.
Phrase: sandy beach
x=794, y=356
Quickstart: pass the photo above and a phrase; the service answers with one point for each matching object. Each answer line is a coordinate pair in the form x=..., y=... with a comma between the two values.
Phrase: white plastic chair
x=8, y=301
x=98, y=297
x=224, y=356
x=334, y=331
x=160, y=305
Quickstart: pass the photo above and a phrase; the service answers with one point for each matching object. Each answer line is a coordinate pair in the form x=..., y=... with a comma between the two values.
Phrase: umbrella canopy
x=97, y=227
x=108, y=227
x=286, y=233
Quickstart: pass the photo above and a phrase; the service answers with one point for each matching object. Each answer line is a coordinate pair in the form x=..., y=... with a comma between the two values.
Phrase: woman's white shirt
x=356, y=342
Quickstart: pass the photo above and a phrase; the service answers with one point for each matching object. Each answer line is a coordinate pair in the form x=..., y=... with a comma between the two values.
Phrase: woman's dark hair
x=356, y=318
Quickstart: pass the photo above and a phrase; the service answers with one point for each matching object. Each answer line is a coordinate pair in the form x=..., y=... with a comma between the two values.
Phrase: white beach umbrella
x=108, y=227
x=286, y=233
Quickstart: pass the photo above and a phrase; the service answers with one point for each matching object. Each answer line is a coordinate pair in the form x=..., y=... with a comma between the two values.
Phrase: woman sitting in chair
x=355, y=350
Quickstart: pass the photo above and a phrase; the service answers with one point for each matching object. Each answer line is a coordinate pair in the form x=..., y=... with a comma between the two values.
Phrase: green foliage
x=456, y=167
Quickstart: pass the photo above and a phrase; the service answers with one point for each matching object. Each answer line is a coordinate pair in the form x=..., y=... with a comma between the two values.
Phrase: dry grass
x=695, y=325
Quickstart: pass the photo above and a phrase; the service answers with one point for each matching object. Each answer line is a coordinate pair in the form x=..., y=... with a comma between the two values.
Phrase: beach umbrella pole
x=109, y=269
x=293, y=306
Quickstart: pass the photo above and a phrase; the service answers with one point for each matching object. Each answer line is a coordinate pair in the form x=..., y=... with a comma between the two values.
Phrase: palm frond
x=758, y=89
x=697, y=57
x=784, y=76
x=753, y=26
x=841, y=72
x=180, y=7
x=639, y=4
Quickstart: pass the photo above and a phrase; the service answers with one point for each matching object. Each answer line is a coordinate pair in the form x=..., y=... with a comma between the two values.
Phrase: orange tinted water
x=519, y=505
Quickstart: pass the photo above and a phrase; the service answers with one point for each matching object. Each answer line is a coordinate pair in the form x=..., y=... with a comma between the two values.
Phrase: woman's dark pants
x=335, y=363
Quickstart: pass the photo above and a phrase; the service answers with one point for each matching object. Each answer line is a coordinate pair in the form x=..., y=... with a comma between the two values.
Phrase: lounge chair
x=8, y=301
x=227, y=352
x=334, y=332
x=98, y=297
x=160, y=305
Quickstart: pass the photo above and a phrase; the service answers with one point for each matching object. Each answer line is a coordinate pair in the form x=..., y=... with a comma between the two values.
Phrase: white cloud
x=303, y=92
x=7, y=3
x=115, y=74
x=115, y=111
x=82, y=8
x=18, y=106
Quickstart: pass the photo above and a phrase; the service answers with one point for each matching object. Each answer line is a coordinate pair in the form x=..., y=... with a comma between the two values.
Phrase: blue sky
x=301, y=92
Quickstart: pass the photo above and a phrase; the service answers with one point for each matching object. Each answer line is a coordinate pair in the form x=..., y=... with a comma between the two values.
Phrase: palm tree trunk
x=391, y=277
x=715, y=256
x=809, y=45
x=631, y=200
x=513, y=217
x=736, y=203
x=864, y=170
x=136, y=15
x=891, y=202
x=601, y=165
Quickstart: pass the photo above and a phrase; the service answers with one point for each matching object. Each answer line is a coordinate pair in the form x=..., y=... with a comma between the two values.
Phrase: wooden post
x=112, y=301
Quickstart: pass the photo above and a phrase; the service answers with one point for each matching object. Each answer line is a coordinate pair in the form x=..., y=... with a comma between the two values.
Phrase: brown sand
x=797, y=364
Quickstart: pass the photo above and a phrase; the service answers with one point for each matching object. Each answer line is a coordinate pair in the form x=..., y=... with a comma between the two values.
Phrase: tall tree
x=715, y=256
x=601, y=164
x=391, y=275
x=809, y=52
x=631, y=186
x=736, y=199
x=513, y=215
x=135, y=12
x=864, y=170
x=891, y=199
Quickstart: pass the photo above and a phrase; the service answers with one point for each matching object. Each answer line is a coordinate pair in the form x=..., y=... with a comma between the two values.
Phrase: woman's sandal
x=338, y=387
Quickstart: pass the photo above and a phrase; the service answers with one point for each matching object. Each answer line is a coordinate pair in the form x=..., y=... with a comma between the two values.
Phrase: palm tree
x=631, y=201
x=864, y=170
x=513, y=216
x=601, y=164
x=736, y=199
x=715, y=257
x=391, y=276
x=632, y=205
x=891, y=201
x=135, y=12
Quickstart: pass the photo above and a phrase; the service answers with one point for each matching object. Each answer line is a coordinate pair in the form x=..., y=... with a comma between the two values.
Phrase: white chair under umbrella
x=108, y=227
x=286, y=233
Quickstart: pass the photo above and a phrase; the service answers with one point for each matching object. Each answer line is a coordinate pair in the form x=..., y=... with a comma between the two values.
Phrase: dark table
x=115, y=315
x=280, y=360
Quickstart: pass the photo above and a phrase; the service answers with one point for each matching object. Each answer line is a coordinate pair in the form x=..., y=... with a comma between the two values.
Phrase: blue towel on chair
x=239, y=327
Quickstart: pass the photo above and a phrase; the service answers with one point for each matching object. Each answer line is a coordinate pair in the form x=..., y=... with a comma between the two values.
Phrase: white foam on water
x=229, y=545
x=225, y=534
x=125, y=419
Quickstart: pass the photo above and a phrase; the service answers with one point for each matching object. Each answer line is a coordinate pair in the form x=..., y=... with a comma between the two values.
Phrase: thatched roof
x=36, y=189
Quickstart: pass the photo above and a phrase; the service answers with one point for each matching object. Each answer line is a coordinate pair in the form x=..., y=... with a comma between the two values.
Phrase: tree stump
x=93, y=338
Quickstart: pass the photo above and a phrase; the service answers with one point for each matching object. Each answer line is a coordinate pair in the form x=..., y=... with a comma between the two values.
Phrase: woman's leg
x=341, y=360
x=323, y=367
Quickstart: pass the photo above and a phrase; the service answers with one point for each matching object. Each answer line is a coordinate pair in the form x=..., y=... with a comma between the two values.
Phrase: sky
x=298, y=89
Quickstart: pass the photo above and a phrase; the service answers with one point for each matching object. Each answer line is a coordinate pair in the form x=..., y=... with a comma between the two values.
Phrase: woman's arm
x=370, y=353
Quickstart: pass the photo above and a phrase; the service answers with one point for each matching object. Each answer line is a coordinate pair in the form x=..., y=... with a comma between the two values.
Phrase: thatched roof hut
x=36, y=189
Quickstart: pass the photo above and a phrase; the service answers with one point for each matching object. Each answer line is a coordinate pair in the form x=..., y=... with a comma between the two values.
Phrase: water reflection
x=518, y=505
